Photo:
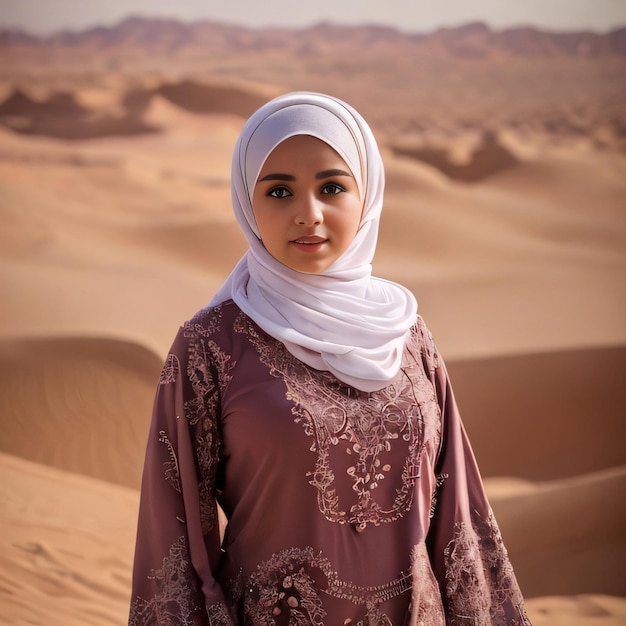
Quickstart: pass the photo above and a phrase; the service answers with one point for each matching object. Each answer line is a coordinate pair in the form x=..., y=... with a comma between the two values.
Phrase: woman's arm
x=178, y=542
x=477, y=582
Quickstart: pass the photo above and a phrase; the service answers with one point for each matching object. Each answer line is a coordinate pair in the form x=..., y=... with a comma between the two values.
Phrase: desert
x=505, y=213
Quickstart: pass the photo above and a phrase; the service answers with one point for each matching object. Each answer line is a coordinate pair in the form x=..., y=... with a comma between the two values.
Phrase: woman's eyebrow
x=331, y=173
x=320, y=175
x=284, y=177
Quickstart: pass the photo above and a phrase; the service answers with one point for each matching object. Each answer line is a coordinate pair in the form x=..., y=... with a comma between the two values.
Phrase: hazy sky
x=44, y=16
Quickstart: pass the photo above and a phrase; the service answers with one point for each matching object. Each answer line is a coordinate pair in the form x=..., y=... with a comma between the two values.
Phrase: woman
x=309, y=401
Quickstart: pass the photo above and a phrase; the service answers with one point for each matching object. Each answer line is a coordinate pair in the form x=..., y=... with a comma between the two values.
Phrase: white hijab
x=343, y=320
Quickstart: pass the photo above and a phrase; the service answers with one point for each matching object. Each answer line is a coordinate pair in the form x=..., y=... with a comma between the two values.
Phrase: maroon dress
x=344, y=507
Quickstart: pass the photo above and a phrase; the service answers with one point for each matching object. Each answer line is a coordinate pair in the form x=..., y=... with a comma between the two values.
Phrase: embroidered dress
x=344, y=507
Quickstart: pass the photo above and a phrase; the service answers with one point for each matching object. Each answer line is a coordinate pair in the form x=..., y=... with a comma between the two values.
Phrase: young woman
x=309, y=401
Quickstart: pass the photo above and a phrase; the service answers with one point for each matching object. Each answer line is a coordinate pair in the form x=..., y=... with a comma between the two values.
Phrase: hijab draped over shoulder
x=343, y=320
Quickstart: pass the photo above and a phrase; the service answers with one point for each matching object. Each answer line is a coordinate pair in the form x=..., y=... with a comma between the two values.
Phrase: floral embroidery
x=284, y=590
x=403, y=415
x=173, y=603
x=287, y=590
x=480, y=584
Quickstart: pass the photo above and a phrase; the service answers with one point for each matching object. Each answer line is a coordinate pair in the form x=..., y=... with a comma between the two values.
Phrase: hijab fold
x=343, y=320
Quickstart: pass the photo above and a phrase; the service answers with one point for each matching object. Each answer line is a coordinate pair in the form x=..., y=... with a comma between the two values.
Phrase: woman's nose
x=309, y=212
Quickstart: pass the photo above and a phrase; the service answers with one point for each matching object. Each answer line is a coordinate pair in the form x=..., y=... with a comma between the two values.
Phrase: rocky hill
x=470, y=41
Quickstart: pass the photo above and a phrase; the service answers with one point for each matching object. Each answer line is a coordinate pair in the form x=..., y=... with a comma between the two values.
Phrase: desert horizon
x=505, y=214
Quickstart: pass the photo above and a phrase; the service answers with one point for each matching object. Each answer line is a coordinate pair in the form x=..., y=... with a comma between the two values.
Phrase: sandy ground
x=108, y=244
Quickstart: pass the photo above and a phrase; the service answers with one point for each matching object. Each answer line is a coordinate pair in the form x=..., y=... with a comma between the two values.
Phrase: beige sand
x=513, y=241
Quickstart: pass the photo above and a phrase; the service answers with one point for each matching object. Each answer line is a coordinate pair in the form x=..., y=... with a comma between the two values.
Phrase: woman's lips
x=309, y=244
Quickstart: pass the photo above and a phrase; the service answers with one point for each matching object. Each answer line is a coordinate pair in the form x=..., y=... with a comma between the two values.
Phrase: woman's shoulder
x=213, y=318
x=211, y=322
x=422, y=341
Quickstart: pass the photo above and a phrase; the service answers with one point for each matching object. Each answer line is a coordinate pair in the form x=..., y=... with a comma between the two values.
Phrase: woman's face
x=306, y=204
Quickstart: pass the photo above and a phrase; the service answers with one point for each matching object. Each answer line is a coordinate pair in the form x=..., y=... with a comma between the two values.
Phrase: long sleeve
x=470, y=562
x=178, y=541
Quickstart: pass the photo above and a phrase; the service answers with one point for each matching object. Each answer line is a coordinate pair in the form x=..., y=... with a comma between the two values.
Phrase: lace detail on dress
x=285, y=590
x=374, y=617
x=172, y=472
x=424, y=339
x=208, y=371
x=219, y=615
x=481, y=588
x=170, y=370
x=173, y=603
x=433, y=500
x=205, y=322
x=354, y=432
x=426, y=606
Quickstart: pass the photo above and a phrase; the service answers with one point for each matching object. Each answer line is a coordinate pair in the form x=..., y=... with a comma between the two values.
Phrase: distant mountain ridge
x=470, y=41
x=422, y=89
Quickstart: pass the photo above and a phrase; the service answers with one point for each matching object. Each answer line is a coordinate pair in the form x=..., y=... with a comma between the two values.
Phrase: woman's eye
x=279, y=192
x=332, y=188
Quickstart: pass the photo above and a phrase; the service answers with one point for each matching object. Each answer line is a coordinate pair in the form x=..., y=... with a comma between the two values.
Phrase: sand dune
x=84, y=405
x=129, y=210
x=584, y=610
x=488, y=158
x=129, y=199
x=71, y=402
x=553, y=414
x=66, y=547
x=202, y=98
x=87, y=581
x=70, y=392
x=566, y=537
x=58, y=104
x=210, y=244
x=61, y=116
x=504, y=213
x=527, y=271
